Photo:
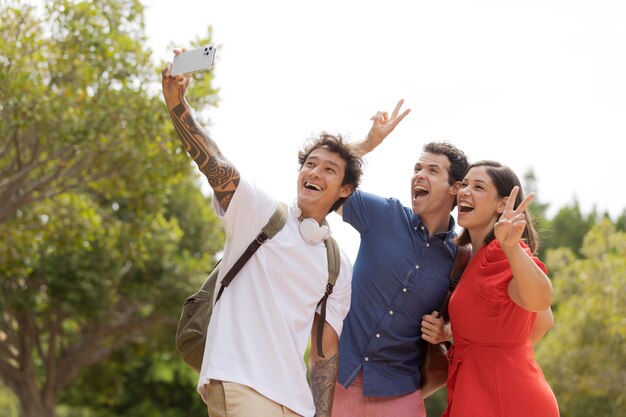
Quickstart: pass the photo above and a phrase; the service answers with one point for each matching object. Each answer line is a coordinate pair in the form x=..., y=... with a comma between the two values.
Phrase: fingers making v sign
x=510, y=227
x=383, y=125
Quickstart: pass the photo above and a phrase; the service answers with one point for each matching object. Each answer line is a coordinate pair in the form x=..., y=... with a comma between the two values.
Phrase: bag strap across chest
x=273, y=226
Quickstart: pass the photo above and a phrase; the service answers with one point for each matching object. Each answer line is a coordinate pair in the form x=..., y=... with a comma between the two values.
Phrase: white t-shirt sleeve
x=247, y=213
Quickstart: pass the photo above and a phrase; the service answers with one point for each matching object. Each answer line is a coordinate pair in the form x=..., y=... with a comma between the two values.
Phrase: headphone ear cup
x=312, y=232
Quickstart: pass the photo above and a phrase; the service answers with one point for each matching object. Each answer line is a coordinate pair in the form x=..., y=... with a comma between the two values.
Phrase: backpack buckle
x=262, y=238
x=329, y=288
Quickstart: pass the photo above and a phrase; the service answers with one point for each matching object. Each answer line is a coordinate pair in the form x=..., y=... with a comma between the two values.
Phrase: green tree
x=567, y=229
x=538, y=209
x=104, y=228
x=149, y=378
x=142, y=380
x=8, y=403
x=620, y=223
x=583, y=357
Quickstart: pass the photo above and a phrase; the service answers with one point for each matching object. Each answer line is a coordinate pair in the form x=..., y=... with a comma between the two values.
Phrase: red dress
x=492, y=370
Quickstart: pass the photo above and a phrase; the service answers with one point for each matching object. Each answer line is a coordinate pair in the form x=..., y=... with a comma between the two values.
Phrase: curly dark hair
x=459, y=163
x=336, y=144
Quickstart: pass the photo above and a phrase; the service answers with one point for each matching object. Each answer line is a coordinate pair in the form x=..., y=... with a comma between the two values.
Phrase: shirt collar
x=448, y=235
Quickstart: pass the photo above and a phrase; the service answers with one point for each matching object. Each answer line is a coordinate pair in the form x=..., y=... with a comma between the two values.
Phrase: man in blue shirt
x=400, y=274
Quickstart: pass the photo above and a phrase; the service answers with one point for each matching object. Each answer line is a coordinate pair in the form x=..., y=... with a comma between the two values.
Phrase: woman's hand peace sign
x=510, y=227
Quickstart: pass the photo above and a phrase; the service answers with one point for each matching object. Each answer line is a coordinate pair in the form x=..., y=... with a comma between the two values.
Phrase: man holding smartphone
x=256, y=340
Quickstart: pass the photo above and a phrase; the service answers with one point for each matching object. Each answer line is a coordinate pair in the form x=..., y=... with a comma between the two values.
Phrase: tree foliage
x=105, y=230
x=584, y=357
x=568, y=228
x=620, y=224
x=141, y=380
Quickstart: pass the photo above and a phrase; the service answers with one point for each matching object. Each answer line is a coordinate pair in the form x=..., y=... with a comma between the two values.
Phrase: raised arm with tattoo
x=324, y=370
x=223, y=176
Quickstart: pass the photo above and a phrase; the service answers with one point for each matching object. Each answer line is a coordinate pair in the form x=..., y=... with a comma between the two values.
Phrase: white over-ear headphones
x=310, y=229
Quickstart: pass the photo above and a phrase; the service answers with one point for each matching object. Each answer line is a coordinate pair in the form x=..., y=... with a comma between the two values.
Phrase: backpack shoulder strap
x=334, y=265
x=273, y=226
x=276, y=222
x=334, y=261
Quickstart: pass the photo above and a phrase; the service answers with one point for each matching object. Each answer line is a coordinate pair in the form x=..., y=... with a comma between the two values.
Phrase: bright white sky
x=536, y=84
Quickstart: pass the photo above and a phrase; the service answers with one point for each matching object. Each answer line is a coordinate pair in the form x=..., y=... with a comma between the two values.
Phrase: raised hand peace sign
x=383, y=125
x=510, y=227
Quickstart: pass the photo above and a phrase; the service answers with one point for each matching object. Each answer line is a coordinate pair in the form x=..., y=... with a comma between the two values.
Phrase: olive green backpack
x=197, y=309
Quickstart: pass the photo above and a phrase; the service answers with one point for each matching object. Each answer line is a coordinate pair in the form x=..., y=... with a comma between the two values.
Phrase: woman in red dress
x=494, y=309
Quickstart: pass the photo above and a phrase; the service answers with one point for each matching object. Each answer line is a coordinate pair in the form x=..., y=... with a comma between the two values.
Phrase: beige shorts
x=228, y=399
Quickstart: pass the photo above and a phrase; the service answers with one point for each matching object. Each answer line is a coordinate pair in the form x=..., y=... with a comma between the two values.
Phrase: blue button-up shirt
x=400, y=274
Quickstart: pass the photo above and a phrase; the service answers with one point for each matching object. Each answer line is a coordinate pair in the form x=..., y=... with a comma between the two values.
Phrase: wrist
x=178, y=107
x=372, y=140
x=363, y=147
x=511, y=248
x=174, y=98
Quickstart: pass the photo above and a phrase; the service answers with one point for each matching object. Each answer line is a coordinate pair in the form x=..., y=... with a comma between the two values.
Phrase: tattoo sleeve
x=222, y=175
x=323, y=377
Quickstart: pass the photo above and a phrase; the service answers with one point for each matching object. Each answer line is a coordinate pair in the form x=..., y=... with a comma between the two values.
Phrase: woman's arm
x=544, y=322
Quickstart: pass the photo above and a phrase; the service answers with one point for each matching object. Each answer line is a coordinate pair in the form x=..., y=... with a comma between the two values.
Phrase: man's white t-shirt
x=262, y=323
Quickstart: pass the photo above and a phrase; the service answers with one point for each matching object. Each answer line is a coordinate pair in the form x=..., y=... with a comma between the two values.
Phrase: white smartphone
x=197, y=59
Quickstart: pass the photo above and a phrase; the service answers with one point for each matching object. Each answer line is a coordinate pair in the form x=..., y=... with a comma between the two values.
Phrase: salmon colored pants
x=351, y=403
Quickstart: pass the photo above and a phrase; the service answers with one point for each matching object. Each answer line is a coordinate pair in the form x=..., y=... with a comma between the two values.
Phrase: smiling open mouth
x=313, y=187
x=420, y=192
x=465, y=208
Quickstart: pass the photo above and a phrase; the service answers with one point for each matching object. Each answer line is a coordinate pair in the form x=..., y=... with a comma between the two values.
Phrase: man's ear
x=346, y=190
x=455, y=188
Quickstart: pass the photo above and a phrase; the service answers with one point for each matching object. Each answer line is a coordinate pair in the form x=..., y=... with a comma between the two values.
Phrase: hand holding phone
x=197, y=59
